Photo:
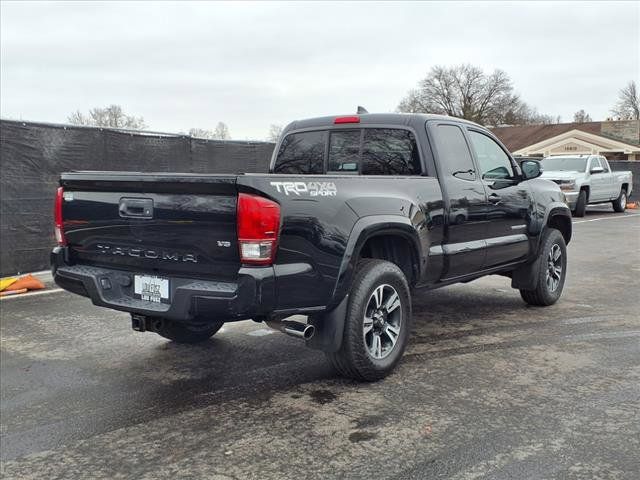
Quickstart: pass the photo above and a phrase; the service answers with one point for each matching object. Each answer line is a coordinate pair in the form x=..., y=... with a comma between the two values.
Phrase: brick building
x=616, y=140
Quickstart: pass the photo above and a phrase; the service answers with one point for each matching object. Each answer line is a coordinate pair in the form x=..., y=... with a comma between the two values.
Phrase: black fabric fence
x=32, y=156
x=634, y=167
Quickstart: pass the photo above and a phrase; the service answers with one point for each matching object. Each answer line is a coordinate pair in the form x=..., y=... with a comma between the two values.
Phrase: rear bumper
x=250, y=295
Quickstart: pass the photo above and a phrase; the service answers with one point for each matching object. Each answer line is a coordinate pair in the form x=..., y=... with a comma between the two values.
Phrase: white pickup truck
x=587, y=180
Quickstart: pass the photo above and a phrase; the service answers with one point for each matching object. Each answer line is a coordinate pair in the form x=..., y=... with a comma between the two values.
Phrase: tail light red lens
x=258, y=229
x=58, y=217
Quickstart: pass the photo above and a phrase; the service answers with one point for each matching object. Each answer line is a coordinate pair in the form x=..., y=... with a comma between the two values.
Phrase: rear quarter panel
x=318, y=238
x=623, y=177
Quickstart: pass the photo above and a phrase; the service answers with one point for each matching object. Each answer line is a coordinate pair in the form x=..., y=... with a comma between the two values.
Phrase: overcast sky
x=183, y=65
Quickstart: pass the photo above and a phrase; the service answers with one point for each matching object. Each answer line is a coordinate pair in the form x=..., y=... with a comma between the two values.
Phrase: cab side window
x=595, y=163
x=301, y=153
x=389, y=151
x=493, y=161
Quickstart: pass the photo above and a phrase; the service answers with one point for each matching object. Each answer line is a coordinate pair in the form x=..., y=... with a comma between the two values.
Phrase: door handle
x=495, y=199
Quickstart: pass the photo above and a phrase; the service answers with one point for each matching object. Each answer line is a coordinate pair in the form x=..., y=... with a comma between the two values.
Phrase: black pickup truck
x=358, y=214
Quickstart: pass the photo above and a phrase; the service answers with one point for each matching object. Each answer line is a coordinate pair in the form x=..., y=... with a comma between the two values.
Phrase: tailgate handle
x=136, y=207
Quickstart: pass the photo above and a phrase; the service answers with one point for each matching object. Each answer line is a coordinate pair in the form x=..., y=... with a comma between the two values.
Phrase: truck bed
x=192, y=229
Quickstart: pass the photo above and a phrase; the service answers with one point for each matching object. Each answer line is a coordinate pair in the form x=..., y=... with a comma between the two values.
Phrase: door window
x=595, y=163
x=453, y=152
x=493, y=160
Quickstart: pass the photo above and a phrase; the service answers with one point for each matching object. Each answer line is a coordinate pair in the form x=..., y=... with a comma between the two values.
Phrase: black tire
x=620, y=203
x=581, y=204
x=188, y=332
x=355, y=359
x=544, y=294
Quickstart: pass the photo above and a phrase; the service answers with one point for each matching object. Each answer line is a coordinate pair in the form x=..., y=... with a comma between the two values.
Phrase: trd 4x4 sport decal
x=312, y=189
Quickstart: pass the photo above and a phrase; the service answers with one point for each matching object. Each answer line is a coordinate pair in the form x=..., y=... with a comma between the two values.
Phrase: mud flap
x=526, y=276
x=329, y=328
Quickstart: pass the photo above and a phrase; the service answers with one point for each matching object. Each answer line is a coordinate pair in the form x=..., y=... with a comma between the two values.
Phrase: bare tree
x=77, y=118
x=524, y=114
x=274, y=133
x=628, y=106
x=200, y=133
x=466, y=91
x=581, y=116
x=111, y=117
x=221, y=132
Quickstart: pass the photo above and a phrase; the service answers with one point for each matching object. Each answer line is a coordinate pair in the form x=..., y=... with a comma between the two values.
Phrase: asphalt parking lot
x=489, y=388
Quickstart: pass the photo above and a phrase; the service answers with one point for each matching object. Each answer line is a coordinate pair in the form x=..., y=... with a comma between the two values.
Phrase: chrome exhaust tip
x=299, y=330
x=294, y=329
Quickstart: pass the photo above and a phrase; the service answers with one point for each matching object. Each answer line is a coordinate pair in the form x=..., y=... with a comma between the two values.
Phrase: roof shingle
x=519, y=137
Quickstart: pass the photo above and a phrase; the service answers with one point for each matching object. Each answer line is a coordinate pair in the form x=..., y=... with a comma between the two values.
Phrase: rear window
x=564, y=164
x=301, y=153
x=370, y=151
x=344, y=151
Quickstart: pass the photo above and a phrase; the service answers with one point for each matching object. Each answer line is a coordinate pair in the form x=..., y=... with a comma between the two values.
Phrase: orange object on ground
x=5, y=293
x=632, y=205
x=28, y=281
x=5, y=282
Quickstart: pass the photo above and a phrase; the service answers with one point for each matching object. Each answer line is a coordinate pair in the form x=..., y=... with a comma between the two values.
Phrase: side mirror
x=531, y=169
x=597, y=170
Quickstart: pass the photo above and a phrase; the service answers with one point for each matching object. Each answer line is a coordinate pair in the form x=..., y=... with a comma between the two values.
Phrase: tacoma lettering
x=150, y=254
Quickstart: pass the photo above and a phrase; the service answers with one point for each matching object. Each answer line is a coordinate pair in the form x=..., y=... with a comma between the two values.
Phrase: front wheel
x=551, y=270
x=581, y=204
x=188, y=332
x=377, y=324
x=620, y=203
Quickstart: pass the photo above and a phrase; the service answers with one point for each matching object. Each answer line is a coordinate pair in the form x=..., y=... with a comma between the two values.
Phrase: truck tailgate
x=168, y=224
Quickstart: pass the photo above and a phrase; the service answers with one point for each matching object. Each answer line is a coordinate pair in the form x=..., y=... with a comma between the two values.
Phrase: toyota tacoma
x=358, y=214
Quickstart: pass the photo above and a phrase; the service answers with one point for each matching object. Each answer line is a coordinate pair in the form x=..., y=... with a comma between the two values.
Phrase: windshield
x=564, y=164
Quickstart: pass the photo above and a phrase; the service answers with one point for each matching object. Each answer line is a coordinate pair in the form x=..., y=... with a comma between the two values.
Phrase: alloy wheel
x=554, y=267
x=382, y=321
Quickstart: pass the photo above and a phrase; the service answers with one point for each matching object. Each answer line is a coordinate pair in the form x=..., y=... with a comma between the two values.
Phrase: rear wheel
x=551, y=271
x=620, y=203
x=188, y=332
x=377, y=324
x=581, y=204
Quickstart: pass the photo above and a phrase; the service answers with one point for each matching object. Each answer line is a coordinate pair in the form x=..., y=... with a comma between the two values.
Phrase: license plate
x=151, y=289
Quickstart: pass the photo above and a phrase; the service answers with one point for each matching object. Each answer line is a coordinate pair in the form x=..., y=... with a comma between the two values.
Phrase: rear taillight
x=58, y=217
x=258, y=227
